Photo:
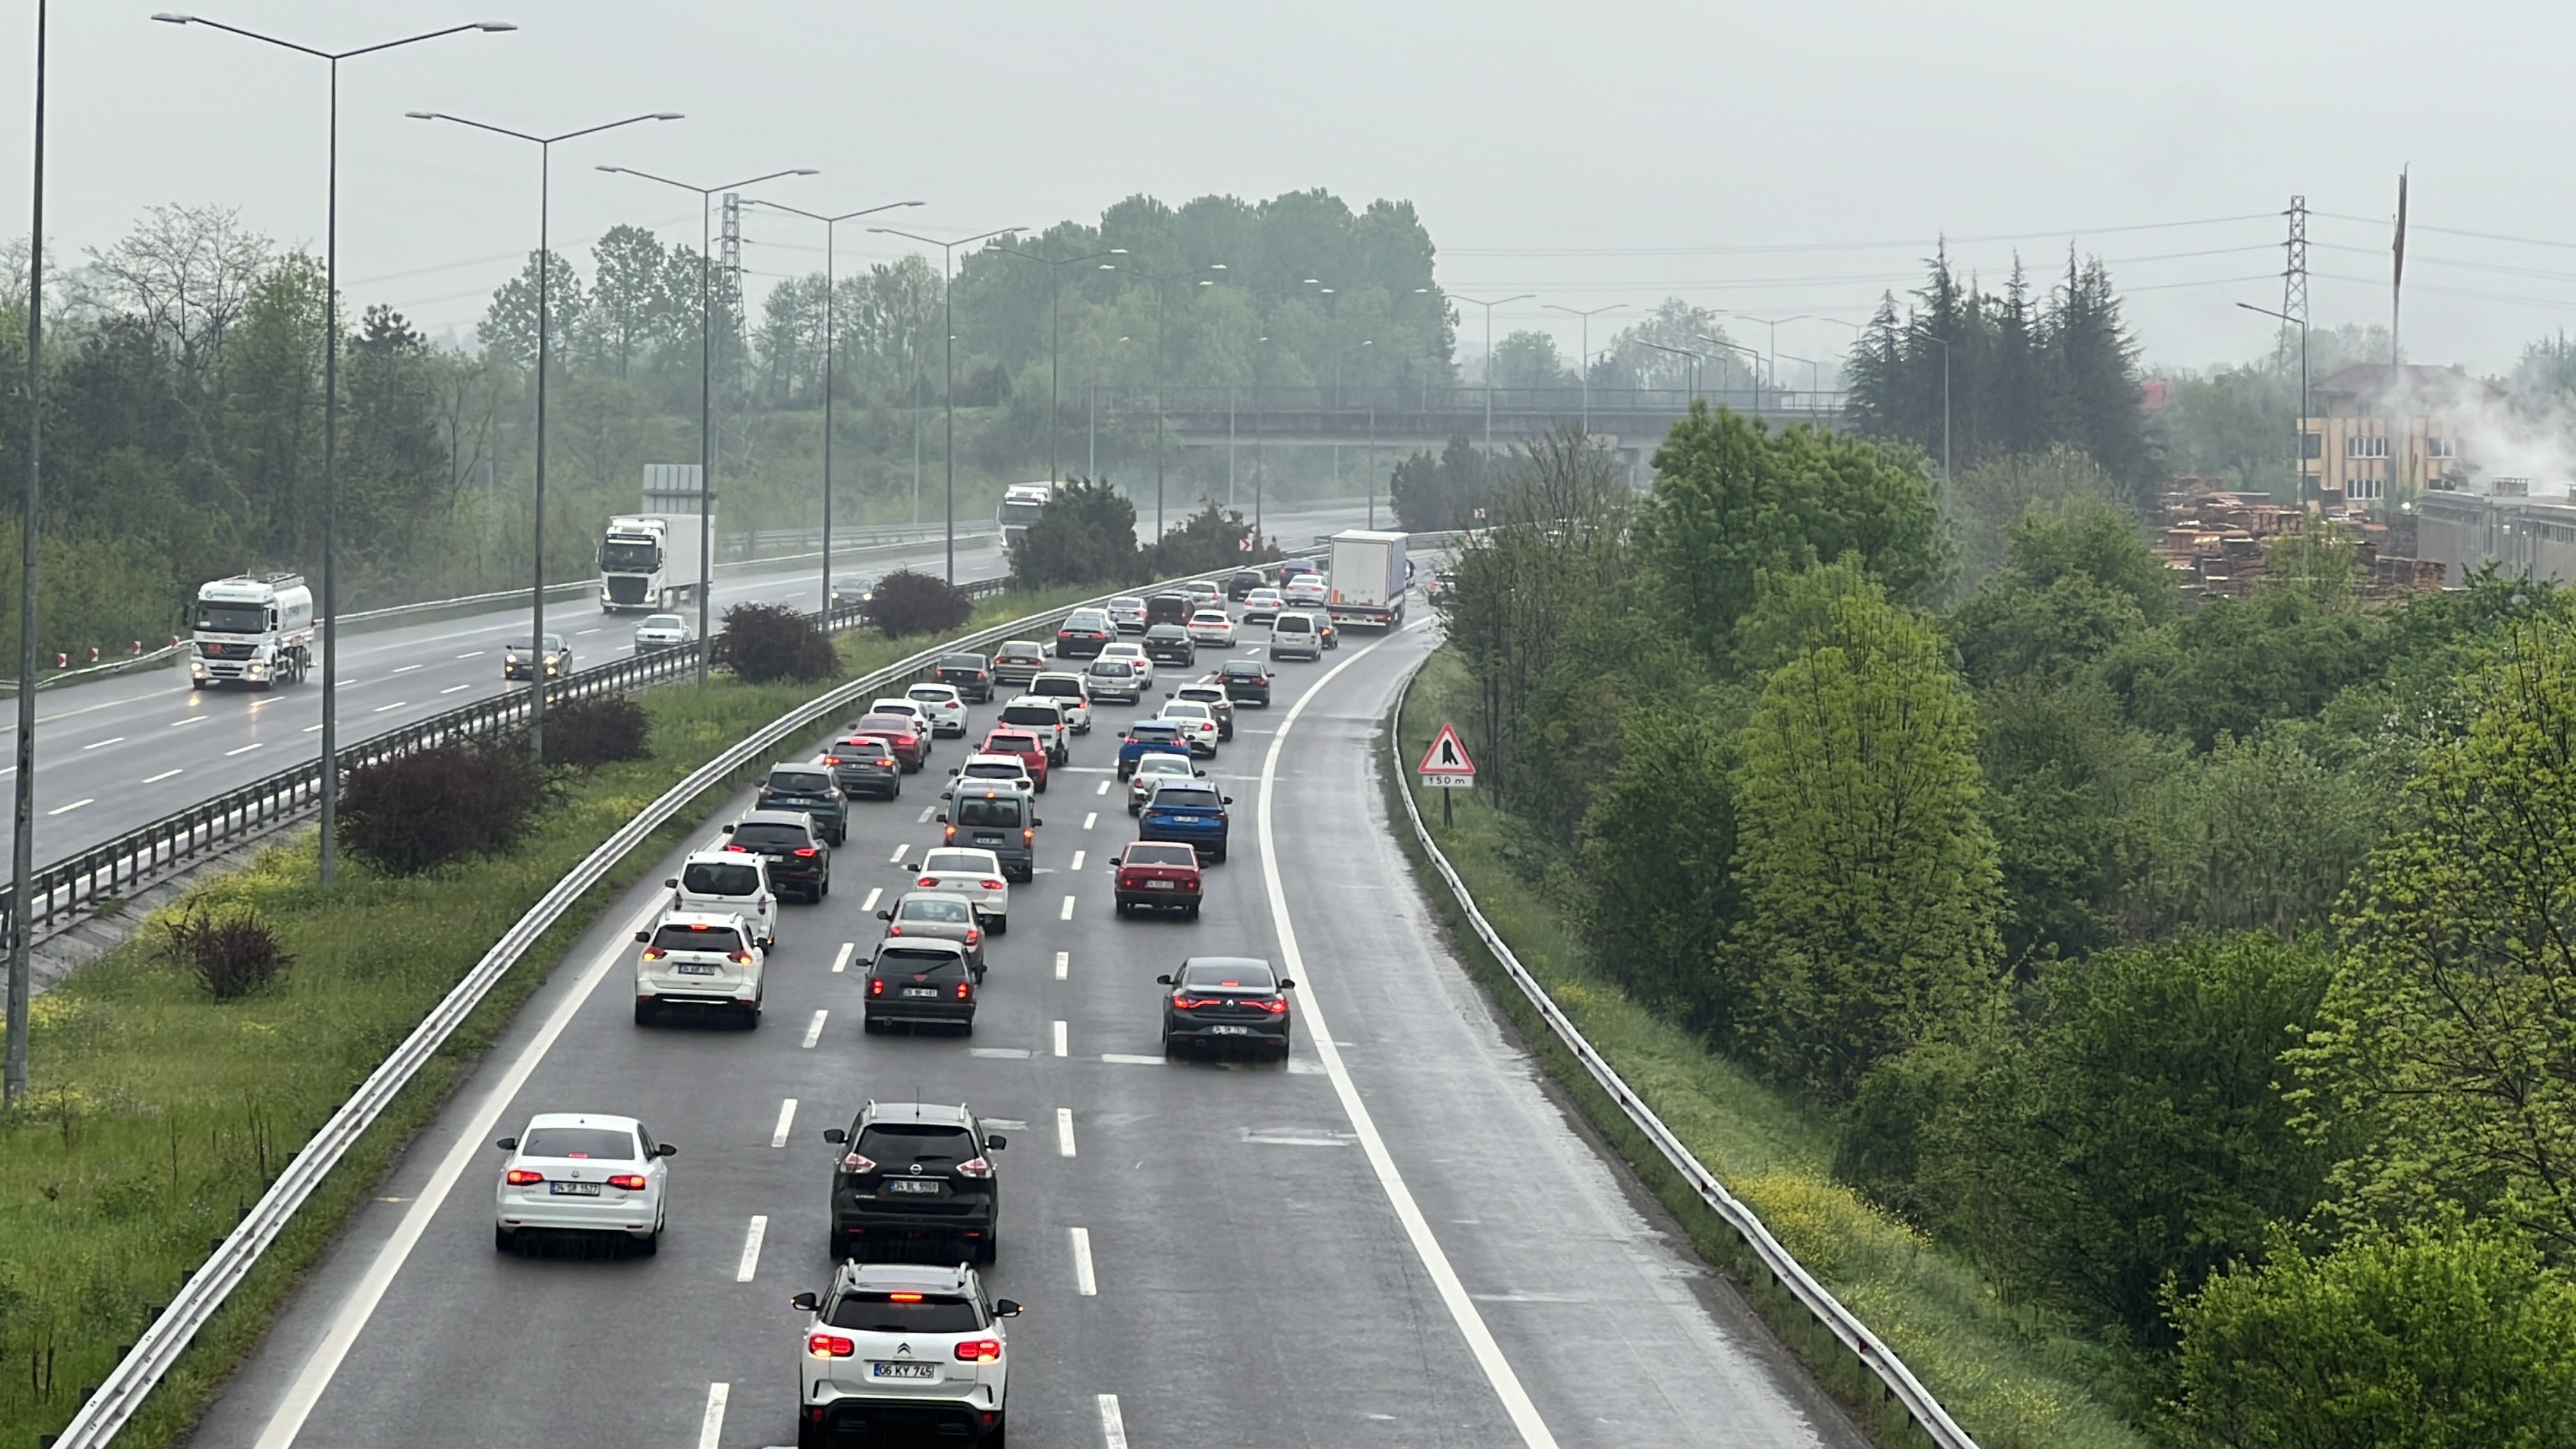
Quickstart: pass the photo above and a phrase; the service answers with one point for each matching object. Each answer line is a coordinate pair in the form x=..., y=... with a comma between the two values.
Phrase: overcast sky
x=1773, y=159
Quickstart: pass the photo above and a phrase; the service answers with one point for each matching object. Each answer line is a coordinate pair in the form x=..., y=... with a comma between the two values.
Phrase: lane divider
x=786, y=1119
x=711, y=1427
x=1084, y=1281
x=1064, y=1132
x=1113, y=1429
x=814, y=1033
x=1090, y=819
x=1063, y=964
x=1067, y=913
x=1059, y=1038
x=870, y=903
x=841, y=962
x=750, y=1263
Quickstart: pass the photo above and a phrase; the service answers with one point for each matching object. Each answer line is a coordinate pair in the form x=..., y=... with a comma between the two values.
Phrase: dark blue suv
x=1188, y=813
x=1148, y=736
x=813, y=790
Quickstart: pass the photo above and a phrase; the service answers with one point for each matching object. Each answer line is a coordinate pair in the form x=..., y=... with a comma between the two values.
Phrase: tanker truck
x=251, y=630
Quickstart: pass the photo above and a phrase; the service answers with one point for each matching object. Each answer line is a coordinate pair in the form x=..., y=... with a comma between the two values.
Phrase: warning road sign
x=1447, y=757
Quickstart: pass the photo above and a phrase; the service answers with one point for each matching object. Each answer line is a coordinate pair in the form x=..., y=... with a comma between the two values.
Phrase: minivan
x=1292, y=636
x=1002, y=821
x=1170, y=608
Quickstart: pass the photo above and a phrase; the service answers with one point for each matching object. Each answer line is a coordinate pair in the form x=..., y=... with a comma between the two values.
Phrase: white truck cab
x=254, y=631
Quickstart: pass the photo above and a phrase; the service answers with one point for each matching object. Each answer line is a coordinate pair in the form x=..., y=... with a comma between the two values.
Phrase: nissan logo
x=916, y=1169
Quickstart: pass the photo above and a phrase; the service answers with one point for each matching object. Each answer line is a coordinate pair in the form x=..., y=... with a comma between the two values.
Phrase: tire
x=1219, y=857
x=868, y=1023
x=1042, y=787
x=1133, y=811
x=1001, y=925
x=651, y=1244
x=1192, y=913
x=646, y=1013
x=503, y=1240
x=990, y=1248
x=967, y=1028
x=994, y=1440
x=809, y=1432
x=825, y=888
x=751, y=1017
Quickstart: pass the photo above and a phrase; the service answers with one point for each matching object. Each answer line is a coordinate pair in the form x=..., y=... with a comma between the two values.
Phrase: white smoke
x=2493, y=436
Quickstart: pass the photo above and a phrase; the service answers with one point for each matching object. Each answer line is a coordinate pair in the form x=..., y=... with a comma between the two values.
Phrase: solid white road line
x=870, y=903
x=1077, y=860
x=1113, y=1429
x=1063, y=964
x=244, y=750
x=1064, y=1132
x=841, y=962
x=1059, y=1038
x=711, y=1428
x=1426, y=1245
x=1067, y=913
x=1090, y=820
x=103, y=744
x=315, y=1376
x=786, y=1119
x=897, y=857
x=1083, y=1281
x=750, y=1263
x=814, y=1033
x=1103, y=790
x=164, y=775
x=75, y=805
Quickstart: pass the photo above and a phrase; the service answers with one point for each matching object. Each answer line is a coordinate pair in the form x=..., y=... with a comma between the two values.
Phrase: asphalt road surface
x=119, y=752
x=1396, y=1239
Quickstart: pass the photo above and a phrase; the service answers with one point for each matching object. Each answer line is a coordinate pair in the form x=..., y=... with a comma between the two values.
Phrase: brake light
x=1129, y=879
x=631, y=1181
x=894, y=930
x=876, y=986
x=928, y=880
x=950, y=833
x=1185, y=1003
x=739, y=849
x=739, y=958
x=903, y=1298
x=992, y=885
x=831, y=759
x=827, y=1345
x=1276, y=1005
x=522, y=1177
x=975, y=1167
x=855, y=1163
x=654, y=953
x=963, y=988
x=805, y=852
x=978, y=1350
x=973, y=935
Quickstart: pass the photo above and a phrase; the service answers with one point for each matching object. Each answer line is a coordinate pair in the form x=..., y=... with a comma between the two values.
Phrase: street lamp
x=706, y=388
x=329, y=860
x=1489, y=355
x=1587, y=353
x=1692, y=371
x=831, y=229
x=1774, y=325
x=545, y=317
x=2298, y=428
x=1919, y=333
x=1055, y=336
x=13, y=1077
x=1815, y=378
x=1159, y=282
x=1756, y=369
x=948, y=301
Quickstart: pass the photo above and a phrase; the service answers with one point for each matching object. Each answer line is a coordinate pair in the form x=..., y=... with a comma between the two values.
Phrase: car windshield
x=1184, y=797
x=663, y=621
x=765, y=835
x=723, y=940
x=959, y=862
x=1031, y=714
x=931, y=1144
x=917, y=1313
x=937, y=912
x=1240, y=975
x=917, y=959
x=1000, y=810
x=231, y=618
x=1162, y=855
x=1113, y=669
x=597, y=1144
x=799, y=782
x=720, y=878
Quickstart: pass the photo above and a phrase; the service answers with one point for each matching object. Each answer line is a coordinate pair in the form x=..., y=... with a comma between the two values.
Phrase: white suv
x=581, y=1172
x=700, y=959
x=728, y=883
x=895, y=1346
x=946, y=708
x=1070, y=691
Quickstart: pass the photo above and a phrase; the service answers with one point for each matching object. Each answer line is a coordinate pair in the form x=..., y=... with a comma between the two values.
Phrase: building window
x=2442, y=447
x=2316, y=445
x=2356, y=446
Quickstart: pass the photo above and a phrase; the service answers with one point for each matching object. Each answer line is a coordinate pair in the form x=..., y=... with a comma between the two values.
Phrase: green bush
x=905, y=603
x=408, y=814
x=763, y=642
x=586, y=733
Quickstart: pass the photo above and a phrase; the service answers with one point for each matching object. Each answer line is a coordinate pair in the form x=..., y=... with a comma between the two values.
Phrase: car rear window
x=1005, y=744
x=1185, y=709
x=710, y=878
x=1162, y=855
x=938, y=912
x=598, y=1144
x=894, y=724
x=918, y=1313
x=867, y=746
x=928, y=1143
x=932, y=693
x=916, y=959
x=1241, y=669
x=1086, y=619
x=996, y=770
x=1164, y=765
x=1114, y=669
x=957, y=862
x=1156, y=731
x=720, y=939
x=961, y=661
x=1068, y=688
x=1241, y=975
x=1000, y=810
x=1032, y=714
x=810, y=782
x=1293, y=624
x=765, y=836
x=1185, y=797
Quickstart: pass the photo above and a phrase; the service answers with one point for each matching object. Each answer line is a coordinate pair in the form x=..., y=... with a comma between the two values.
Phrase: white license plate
x=697, y=968
x=912, y=1184
x=921, y=991
x=1160, y=885
x=573, y=1189
x=880, y=1370
x=1229, y=1031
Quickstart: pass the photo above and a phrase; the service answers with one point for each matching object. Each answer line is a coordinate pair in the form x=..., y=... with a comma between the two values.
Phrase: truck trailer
x=651, y=560
x=1369, y=577
x=254, y=630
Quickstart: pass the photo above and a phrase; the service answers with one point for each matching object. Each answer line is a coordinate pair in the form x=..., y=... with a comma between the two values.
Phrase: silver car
x=662, y=631
x=939, y=916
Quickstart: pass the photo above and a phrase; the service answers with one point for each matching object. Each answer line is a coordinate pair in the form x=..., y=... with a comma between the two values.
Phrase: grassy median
x=158, y=1115
x=2012, y=1379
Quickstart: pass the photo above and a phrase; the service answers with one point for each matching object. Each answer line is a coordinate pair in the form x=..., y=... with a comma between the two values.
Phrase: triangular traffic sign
x=1447, y=756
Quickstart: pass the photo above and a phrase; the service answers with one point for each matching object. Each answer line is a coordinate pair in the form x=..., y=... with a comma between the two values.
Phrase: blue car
x=1149, y=736
x=1188, y=813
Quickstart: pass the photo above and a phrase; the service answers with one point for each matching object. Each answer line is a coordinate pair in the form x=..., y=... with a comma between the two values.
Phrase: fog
x=1772, y=161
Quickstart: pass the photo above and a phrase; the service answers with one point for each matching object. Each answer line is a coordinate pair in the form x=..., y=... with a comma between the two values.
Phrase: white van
x=728, y=883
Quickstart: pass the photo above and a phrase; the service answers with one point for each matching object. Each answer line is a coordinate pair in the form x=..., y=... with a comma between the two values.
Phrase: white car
x=974, y=874
x=1197, y=722
x=911, y=709
x=946, y=707
x=1134, y=654
x=1151, y=770
x=581, y=1172
x=728, y=883
x=1070, y=691
x=1305, y=591
x=662, y=631
x=699, y=959
x=903, y=1342
x=1212, y=627
x=1127, y=612
x=1261, y=604
x=1008, y=770
x=1041, y=715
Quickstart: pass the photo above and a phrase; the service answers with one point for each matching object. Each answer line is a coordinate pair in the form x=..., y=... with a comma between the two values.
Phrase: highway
x=1397, y=1239
x=119, y=752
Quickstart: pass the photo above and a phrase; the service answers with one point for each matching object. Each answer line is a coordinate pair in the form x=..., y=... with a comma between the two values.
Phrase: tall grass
x=2011, y=1378
x=158, y=1114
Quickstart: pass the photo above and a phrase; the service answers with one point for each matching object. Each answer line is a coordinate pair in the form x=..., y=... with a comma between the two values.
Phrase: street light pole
x=1489, y=355
x=1587, y=353
x=1774, y=325
x=831, y=231
x=706, y=389
x=1945, y=410
x=1055, y=338
x=1692, y=367
x=13, y=1078
x=948, y=316
x=328, y=862
x=2298, y=425
x=1815, y=378
x=545, y=318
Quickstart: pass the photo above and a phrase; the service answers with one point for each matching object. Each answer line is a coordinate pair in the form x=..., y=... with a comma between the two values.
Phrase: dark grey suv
x=915, y=1178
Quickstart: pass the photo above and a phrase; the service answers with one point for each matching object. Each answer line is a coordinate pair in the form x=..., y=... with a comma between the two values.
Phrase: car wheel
x=1001, y=925
x=967, y=1027
x=644, y=1011
x=994, y=1439
x=503, y=1240
x=825, y=888
x=1135, y=810
x=650, y=1244
x=1192, y=913
x=809, y=1431
x=868, y=1022
x=1118, y=907
x=990, y=1248
x=751, y=1017
x=1219, y=857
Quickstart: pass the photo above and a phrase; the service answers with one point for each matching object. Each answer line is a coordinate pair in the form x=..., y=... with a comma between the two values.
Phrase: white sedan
x=974, y=874
x=947, y=709
x=1133, y=653
x=1213, y=628
x=581, y=1172
x=1197, y=723
x=1305, y=591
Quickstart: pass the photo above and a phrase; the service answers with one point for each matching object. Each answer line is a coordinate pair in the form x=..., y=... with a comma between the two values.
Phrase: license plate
x=1189, y=820
x=697, y=968
x=988, y=840
x=922, y=991
x=881, y=1370
x=1229, y=1031
x=573, y=1189
x=1160, y=885
x=912, y=1184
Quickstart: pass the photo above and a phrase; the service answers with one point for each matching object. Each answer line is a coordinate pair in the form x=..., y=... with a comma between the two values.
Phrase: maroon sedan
x=901, y=732
x=1158, y=875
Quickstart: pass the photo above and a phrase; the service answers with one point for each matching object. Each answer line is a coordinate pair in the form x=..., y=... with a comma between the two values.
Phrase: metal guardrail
x=105, y=1411
x=1895, y=1379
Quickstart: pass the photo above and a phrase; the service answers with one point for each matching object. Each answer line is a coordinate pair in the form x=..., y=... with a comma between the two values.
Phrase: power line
x=1936, y=241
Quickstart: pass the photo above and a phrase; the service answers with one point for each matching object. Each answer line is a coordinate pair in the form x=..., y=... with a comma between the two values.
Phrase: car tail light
x=522, y=1177
x=949, y=834
x=1187, y=1003
x=631, y=1181
x=978, y=1350
x=964, y=989
x=876, y=986
x=739, y=849
x=654, y=953
x=829, y=1345
x=895, y=930
x=855, y=1163
x=831, y=759
x=992, y=885
x=739, y=958
x=1130, y=881
x=928, y=880
x=975, y=1167
x=1276, y=1005
x=806, y=852
x=973, y=935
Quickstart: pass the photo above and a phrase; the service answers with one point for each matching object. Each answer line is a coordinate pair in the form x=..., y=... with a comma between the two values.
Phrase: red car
x=1027, y=746
x=901, y=732
x=1158, y=875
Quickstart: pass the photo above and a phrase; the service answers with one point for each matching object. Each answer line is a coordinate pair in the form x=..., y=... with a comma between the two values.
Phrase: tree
x=1210, y=539
x=1529, y=359
x=2442, y=1336
x=2254, y=835
x=1992, y=496
x=1666, y=815
x=1868, y=875
x=510, y=323
x=626, y=295
x=187, y=273
x=1436, y=494
x=1085, y=534
x=2451, y=1029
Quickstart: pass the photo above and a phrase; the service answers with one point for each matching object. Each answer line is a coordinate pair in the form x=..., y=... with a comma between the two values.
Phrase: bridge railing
x=1268, y=409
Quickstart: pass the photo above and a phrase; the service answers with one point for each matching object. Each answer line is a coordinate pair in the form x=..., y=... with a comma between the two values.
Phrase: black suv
x=1170, y=644
x=1246, y=681
x=916, y=1175
x=920, y=981
x=798, y=859
x=864, y=765
x=972, y=674
x=1244, y=582
x=813, y=789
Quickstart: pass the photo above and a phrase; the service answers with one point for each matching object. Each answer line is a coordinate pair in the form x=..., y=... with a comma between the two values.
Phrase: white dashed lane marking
x=1064, y=1132
x=1113, y=1429
x=244, y=750
x=75, y=805
x=1103, y=790
x=814, y=1033
x=1084, y=1281
x=164, y=775
x=897, y=857
x=786, y=1119
x=711, y=1427
x=870, y=903
x=1067, y=913
x=1077, y=860
x=1090, y=820
x=841, y=962
x=1059, y=1038
x=103, y=744
x=750, y=1263
x=1063, y=964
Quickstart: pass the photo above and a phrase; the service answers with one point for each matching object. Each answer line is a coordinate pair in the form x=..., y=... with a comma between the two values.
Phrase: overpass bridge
x=1629, y=420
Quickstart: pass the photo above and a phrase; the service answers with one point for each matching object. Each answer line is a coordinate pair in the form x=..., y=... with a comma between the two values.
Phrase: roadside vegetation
x=2090, y=982
x=173, y=1076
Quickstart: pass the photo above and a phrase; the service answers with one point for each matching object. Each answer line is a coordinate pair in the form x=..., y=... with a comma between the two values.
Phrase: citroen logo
x=903, y=1349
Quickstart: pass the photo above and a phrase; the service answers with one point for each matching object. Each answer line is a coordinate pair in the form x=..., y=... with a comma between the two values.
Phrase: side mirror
x=1163, y=980
x=666, y=1150
x=952, y=774
x=728, y=830
x=806, y=1303
x=1222, y=799
x=1202, y=774
x=836, y=1136
x=1005, y=1308
x=643, y=935
x=672, y=884
x=943, y=817
x=508, y=1144
x=1287, y=985
x=1034, y=824
x=885, y=915
x=1167, y=694
x=996, y=1142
